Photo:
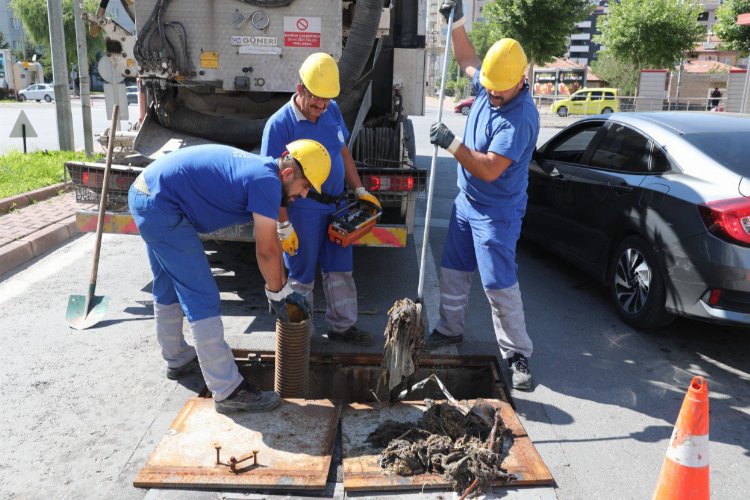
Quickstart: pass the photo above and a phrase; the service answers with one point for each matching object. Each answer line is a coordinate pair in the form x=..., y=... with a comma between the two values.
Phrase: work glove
x=288, y=237
x=458, y=13
x=443, y=137
x=280, y=301
x=362, y=194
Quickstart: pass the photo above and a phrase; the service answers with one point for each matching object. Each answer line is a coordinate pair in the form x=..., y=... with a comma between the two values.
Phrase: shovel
x=85, y=311
x=406, y=319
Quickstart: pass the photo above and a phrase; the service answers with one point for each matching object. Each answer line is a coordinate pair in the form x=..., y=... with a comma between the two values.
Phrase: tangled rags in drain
x=466, y=445
x=462, y=447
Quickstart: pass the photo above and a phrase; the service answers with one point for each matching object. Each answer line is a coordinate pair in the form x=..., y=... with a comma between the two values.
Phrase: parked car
x=37, y=92
x=132, y=93
x=588, y=102
x=464, y=106
x=656, y=206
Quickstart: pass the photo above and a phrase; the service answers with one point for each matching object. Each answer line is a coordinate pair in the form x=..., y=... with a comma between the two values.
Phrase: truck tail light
x=728, y=219
x=388, y=182
x=95, y=180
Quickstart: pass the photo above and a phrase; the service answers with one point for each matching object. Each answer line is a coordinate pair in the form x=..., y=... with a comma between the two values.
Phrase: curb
x=25, y=199
x=21, y=251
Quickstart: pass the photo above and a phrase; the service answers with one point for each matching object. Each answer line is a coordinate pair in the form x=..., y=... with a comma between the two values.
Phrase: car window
x=622, y=149
x=579, y=97
x=570, y=147
x=595, y=96
x=660, y=162
x=609, y=96
x=731, y=149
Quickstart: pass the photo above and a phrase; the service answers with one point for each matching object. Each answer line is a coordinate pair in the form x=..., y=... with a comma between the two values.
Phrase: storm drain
x=306, y=443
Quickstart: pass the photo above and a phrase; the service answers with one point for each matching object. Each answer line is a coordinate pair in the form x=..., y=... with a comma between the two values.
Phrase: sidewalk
x=34, y=222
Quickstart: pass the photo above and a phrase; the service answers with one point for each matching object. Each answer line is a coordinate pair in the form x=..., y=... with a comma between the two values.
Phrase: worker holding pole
x=303, y=228
x=485, y=224
x=201, y=189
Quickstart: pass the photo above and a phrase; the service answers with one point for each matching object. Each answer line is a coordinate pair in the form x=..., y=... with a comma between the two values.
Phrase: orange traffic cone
x=684, y=474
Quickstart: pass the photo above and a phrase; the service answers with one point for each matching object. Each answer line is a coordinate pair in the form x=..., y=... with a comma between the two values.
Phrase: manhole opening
x=354, y=378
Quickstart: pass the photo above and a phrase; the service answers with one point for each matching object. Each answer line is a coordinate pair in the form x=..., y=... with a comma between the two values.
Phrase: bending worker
x=485, y=224
x=311, y=113
x=201, y=189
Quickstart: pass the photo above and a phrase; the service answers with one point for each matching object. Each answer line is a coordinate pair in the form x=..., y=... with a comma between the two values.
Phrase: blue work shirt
x=288, y=124
x=215, y=186
x=510, y=130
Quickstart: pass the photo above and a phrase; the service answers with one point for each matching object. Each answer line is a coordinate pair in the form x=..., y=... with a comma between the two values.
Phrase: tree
x=616, y=72
x=541, y=26
x=33, y=15
x=3, y=42
x=732, y=36
x=650, y=33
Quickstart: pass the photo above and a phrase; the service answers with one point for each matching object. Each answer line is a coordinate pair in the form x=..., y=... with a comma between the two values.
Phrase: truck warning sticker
x=256, y=44
x=301, y=31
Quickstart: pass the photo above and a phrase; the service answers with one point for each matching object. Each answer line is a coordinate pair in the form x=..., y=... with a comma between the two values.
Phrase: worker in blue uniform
x=201, y=189
x=312, y=113
x=485, y=224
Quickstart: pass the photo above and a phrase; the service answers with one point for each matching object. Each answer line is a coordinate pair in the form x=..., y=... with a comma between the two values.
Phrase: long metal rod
x=433, y=165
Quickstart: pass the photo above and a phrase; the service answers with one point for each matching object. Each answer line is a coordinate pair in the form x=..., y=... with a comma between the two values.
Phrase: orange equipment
x=685, y=473
x=348, y=224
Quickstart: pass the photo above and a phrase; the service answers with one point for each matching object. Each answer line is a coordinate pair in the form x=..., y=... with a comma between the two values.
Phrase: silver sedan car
x=656, y=206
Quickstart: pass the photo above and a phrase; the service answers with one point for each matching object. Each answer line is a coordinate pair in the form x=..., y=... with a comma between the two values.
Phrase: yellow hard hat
x=314, y=160
x=320, y=74
x=503, y=66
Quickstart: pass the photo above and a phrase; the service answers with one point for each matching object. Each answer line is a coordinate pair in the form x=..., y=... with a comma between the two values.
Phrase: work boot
x=519, y=367
x=352, y=335
x=188, y=368
x=436, y=340
x=247, y=397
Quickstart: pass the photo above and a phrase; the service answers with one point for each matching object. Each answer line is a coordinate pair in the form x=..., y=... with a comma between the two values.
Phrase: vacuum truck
x=213, y=72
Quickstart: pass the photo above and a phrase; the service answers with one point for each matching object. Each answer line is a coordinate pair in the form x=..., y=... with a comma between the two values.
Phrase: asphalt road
x=83, y=410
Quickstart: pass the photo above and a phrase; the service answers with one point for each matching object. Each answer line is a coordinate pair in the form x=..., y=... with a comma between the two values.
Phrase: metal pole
x=743, y=107
x=83, y=78
x=433, y=165
x=60, y=75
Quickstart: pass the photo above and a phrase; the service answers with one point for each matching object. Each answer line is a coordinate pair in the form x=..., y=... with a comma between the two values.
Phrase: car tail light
x=714, y=296
x=388, y=182
x=728, y=219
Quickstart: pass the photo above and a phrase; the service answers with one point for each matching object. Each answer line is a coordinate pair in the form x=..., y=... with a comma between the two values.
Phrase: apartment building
x=11, y=27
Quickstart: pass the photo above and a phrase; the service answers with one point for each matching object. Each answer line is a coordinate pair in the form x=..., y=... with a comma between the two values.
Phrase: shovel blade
x=77, y=315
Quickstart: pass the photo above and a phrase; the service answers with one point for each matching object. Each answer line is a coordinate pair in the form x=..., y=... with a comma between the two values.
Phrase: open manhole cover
x=297, y=444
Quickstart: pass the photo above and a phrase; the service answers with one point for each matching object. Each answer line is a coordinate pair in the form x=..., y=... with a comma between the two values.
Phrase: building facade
x=11, y=27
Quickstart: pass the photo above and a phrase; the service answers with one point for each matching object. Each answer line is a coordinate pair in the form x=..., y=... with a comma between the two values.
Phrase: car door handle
x=621, y=188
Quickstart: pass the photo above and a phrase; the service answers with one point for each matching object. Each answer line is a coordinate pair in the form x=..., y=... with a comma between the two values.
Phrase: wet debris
x=467, y=449
x=404, y=343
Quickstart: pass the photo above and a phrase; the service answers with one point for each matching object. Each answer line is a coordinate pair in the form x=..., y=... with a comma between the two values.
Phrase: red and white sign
x=301, y=31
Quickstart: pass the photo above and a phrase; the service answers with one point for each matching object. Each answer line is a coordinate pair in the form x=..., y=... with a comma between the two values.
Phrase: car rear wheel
x=47, y=98
x=465, y=110
x=637, y=285
x=606, y=111
x=562, y=111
